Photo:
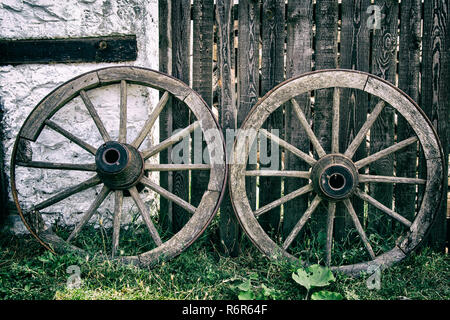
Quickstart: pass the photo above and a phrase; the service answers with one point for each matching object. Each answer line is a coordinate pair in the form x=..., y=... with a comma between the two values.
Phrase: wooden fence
x=241, y=50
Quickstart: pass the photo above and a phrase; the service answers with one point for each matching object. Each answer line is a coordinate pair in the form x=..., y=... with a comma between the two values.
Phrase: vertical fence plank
x=181, y=26
x=384, y=55
x=408, y=81
x=248, y=72
x=354, y=54
x=435, y=92
x=165, y=118
x=298, y=61
x=228, y=225
x=272, y=73
x=203, y=41
x=325, y=58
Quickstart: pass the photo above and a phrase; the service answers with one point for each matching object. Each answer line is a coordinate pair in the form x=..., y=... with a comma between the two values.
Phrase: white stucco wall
x=23, y=86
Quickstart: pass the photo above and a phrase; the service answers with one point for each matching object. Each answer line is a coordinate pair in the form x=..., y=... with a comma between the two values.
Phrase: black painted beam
x=95, y=49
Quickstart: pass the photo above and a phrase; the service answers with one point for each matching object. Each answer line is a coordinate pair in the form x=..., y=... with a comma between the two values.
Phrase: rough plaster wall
x=23, y=86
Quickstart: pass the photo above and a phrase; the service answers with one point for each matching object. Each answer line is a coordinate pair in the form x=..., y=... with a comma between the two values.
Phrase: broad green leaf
x=326, y=295
x=246, y=295
x=245, y=286
x=313, y=276
x=302, y=278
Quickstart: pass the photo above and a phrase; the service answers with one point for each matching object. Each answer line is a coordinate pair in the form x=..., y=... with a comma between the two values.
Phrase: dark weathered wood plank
x=228, y=225
x=181, y=30
x=165, y=118
x=409, y=81
x=202, y=73
x=298, y=60
x=326, y=48
x=95, y=49
x=248, y=72
x=354, y=104
x=435, y=100
x=272, y=73
x=384, y=62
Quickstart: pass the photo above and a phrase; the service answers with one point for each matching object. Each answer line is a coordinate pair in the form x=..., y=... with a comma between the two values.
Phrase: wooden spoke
x=118, y=204
x=176, y=167
x=364, y=129
x=330, y=226
x=86, y=146
x=90, y=212
x=168, y=195
x=67, y=193
x=98, y=122
x=284, y=199
x=386, y=179
x=335, y=123
x=58, y=166
x=307, y=158
x=123, y=112
x=300, y=224
x=170, y=141
x=145, y=215
x=278, y=173
x=385, y=152
x=359, y=228
x=151, y=121
x=364, y=196
x=304, y=122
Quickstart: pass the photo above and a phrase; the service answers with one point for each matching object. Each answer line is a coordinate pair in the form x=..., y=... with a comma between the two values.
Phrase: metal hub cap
x=334, y=177
x=120, y=166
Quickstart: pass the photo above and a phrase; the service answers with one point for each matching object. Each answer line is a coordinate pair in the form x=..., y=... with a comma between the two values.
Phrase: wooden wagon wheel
x=334, y=177
x=118, y=165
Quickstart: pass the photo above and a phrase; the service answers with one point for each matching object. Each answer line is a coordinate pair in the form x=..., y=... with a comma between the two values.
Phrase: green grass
x=27, y=271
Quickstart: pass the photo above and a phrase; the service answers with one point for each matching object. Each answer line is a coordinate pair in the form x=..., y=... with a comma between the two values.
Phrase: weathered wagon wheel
x=334, y=177
x=118, y=165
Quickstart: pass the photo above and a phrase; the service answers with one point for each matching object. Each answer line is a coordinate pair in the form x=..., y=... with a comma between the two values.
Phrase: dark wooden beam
x=95, y=49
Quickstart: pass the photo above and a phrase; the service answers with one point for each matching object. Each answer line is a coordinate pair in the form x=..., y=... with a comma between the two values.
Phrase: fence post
x=384, y=55
x=228, y=225
x=354, y=104
x=298, y=61
x=408, y=81
x=248, y=73
x=272, y=73
x=435, y=93
x=326, y=49
x=202, y=73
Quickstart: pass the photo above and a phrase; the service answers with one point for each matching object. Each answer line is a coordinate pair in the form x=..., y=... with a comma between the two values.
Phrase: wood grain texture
x=74, y=50
x=354, y=104
x=298, y=60
x=181, y=29
x=202, y=74
x=165, y=117
x=248, y=72
x=384, y=62
x=326, y=49
x=272, y=73
x=435, y=100
x=228, y=226
x=409, y=81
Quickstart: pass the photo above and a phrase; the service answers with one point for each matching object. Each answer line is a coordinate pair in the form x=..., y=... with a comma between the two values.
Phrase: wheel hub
x=119, y=165
x=334, y=177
